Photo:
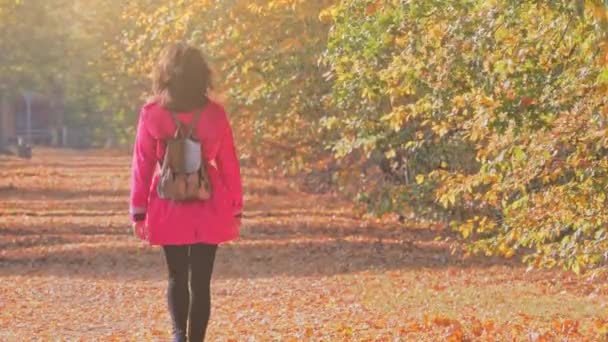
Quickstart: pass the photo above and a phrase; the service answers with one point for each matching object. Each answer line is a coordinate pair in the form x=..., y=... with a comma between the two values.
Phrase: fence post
x=27, y=96
x=64, y=136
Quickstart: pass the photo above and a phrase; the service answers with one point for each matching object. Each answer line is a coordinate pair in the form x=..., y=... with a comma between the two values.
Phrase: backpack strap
x=175, y=119
x=191, y=128
x=178, y=124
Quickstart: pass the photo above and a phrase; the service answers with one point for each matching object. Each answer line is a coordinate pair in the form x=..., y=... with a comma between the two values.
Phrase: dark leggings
x=189, y=304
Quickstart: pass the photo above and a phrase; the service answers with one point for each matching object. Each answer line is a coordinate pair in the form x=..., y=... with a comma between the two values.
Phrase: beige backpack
x=183, y=173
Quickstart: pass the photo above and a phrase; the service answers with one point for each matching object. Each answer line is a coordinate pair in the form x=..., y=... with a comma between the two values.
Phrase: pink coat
x=174, y=223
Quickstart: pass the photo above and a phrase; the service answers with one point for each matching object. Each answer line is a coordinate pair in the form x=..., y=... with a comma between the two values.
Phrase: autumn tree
x=266, y=58
x=494, y=111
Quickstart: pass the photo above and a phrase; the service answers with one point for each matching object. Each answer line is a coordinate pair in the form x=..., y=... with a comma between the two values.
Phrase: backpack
x=183, y=172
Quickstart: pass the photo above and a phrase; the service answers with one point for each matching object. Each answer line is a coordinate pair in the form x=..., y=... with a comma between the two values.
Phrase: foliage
x=56, y=47
x=265, y=56
x=495, y=108
x=489, y=115
x=24, y=32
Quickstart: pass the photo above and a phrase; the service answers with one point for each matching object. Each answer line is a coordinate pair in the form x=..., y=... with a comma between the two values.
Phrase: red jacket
x=174, y=223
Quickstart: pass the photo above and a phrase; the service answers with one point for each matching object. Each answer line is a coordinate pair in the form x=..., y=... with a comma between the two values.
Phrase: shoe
x=179, y=338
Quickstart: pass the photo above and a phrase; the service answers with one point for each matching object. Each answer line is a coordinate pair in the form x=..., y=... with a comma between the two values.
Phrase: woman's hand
x=140, y=230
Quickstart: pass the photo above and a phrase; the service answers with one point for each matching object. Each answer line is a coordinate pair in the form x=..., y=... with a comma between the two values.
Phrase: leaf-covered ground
x=306, y=268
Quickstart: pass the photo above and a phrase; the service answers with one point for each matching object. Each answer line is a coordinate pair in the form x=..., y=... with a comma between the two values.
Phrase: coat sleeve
x=229, y=168
x=142, y=169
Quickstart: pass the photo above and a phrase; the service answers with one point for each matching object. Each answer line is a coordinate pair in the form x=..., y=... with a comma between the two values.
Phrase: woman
x=188, y=232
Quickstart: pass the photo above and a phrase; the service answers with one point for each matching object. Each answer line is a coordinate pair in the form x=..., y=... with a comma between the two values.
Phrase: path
x=306, y=268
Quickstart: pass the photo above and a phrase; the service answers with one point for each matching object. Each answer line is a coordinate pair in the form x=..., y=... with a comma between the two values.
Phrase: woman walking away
x=186, y=193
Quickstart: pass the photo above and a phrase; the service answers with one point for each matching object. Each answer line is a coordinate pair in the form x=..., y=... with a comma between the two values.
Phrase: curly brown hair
x=182, y=78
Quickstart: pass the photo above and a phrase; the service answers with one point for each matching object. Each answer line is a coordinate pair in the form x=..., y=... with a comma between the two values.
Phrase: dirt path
x=305, y=268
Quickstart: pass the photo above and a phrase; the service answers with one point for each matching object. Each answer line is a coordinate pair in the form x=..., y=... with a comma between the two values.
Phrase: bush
x=494, y=110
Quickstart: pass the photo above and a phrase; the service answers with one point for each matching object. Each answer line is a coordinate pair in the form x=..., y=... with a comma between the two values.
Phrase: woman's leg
x=178, y=296
x=202, y=257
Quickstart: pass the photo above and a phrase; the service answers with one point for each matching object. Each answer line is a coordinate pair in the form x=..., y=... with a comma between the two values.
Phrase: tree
x=266, y=57
x=498, y=110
